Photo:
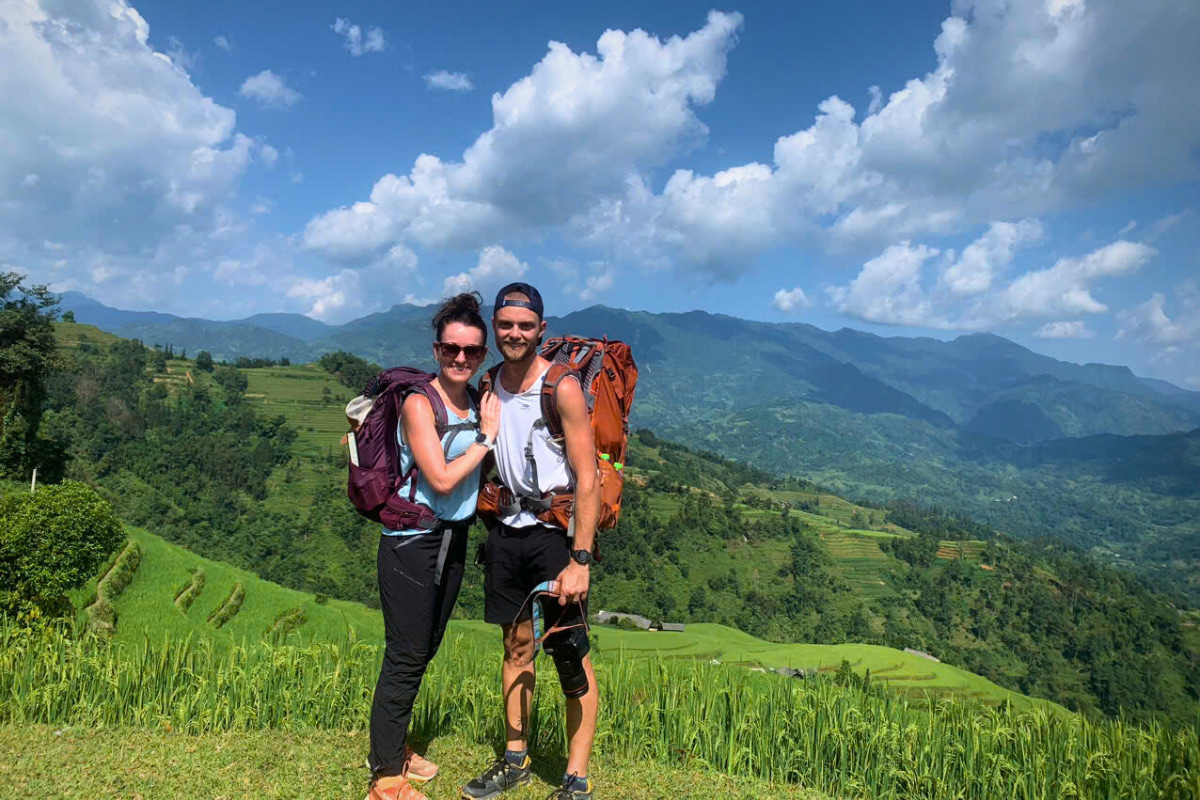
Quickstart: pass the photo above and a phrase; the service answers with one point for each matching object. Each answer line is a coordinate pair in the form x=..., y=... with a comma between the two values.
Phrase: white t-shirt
x=518, y=413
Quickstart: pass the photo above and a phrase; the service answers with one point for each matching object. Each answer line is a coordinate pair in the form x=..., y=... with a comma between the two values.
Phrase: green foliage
x=188, y=593
x=102, y=614
x=68, y=316
x=52, y=542
x=831, y=734
x=27, y=351
x=204, y=361
x=228, y=609
x=352, y=371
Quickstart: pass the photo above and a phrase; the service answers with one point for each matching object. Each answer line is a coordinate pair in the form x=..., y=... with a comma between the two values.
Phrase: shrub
x=51, y=542
x=229, y=608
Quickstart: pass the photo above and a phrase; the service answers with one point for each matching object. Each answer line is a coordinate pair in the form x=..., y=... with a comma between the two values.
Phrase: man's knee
x=518, y=644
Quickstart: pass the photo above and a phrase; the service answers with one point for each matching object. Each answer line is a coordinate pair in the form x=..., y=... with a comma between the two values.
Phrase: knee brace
x=568, y=649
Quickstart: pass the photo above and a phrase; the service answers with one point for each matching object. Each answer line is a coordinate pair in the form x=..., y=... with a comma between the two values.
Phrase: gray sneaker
x=497, y=779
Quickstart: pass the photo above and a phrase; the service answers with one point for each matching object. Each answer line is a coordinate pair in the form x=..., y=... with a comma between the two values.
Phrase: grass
x=146, y=611
x=296, y=392
x=130, y=762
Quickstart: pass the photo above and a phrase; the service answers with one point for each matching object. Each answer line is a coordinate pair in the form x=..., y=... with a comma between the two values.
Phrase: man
x=522, y=551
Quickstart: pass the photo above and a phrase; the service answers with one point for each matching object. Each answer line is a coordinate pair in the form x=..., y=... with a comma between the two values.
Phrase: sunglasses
x=450, y=351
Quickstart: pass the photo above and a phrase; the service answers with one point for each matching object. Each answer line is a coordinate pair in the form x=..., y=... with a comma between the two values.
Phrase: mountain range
x=1087, y=453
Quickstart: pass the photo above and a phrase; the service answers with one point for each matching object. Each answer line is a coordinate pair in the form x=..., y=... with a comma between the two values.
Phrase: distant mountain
x=296, y=326
x=698, y=365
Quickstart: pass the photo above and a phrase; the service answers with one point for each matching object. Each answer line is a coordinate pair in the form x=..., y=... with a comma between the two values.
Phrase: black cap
x=535, y=299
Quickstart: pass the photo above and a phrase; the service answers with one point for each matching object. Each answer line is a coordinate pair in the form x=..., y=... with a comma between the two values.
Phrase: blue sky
x=1027, y=167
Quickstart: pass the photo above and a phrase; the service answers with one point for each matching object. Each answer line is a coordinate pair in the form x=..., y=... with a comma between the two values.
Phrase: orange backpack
x=608, y=375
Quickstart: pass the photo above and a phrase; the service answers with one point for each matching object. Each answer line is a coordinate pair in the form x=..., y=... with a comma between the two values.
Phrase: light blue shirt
x=460, y=503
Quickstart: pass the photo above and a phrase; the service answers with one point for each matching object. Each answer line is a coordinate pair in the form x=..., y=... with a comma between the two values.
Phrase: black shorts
x=517, y=560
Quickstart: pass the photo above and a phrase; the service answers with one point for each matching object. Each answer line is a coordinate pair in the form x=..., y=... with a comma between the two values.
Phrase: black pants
x=416, y=608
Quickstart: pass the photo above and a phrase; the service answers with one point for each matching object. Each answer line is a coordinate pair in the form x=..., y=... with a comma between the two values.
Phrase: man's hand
x=573, y=583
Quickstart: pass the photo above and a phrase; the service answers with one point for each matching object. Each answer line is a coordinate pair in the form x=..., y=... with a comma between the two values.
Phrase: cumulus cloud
x=1067, y=287
x=888, y=289
x=355, y=41
x=269, y=90
x=120, y=152
x=1149, y=323
x=329, y=295
x=1074, y=329
x=222, y=43
x=496, y=267
x=268, y=154
x=565, y=138
x=974, y=271
x=788, y=300
x=918, y=285
x=449, y=81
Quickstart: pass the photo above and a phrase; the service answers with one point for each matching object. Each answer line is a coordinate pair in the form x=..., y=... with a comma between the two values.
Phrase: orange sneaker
x=420, y=769
x=393, y=787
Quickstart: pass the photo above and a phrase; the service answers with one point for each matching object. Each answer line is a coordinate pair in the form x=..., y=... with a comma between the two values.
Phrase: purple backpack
x=375, y=476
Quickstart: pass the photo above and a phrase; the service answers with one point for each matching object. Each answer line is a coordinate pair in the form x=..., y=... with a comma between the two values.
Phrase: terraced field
x=149, y=610
x=297, y=393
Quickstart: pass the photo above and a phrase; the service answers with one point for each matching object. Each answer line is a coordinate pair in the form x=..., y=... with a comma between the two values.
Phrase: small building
x=672, y=627
x=921, y=654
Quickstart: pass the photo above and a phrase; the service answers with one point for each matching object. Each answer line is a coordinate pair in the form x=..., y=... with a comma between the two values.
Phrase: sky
x=1024, y=167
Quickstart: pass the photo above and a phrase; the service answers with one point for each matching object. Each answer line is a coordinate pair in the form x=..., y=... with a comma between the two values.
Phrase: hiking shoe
x=497, y=779
x=420, y=769
x=393, y=787
x=568, y=791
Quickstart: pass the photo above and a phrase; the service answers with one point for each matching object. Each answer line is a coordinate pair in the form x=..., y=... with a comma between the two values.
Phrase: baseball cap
x=535, y=298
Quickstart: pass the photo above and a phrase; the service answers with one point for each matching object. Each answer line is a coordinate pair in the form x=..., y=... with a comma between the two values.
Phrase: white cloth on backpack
x=518, y=413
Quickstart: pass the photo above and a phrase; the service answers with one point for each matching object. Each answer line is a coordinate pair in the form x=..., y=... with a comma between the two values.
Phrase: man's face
x=517, y=332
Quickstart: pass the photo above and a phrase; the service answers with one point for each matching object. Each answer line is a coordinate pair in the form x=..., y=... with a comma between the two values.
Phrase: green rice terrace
x=176, y=671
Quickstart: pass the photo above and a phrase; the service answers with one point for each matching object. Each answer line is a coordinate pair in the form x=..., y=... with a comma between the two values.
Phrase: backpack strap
x=551, y=419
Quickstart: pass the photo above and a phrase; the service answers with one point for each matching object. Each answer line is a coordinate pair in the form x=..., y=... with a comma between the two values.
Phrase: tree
x=204, y=361
x=68, y=316
x=27, y=356
x=51, y=542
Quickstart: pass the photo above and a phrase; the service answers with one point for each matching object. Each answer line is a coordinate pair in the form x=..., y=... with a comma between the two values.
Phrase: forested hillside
x=1031, y=445
x=245, y=466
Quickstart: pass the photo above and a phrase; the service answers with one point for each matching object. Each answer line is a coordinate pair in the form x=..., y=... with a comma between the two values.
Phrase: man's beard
x=528, y=353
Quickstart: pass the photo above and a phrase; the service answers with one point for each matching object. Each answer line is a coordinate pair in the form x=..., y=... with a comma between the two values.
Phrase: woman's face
x=459, y=352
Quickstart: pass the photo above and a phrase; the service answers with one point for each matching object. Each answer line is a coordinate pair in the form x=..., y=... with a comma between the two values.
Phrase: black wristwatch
x=582, y=557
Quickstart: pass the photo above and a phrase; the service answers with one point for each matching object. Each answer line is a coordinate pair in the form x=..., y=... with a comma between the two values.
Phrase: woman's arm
x=421, y=435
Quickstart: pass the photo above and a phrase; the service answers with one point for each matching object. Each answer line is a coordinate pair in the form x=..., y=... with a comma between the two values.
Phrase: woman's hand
x=489, y=415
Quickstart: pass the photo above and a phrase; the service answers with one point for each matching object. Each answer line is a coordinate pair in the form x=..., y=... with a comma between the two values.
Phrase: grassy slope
x=320, y=764
x=146, y=611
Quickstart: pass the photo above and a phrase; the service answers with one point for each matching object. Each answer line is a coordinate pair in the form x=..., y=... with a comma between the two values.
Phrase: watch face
x=582, y=556
x=480, y=438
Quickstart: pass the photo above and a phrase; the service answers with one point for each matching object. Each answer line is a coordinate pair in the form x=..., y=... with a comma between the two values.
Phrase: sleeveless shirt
x=518, y=413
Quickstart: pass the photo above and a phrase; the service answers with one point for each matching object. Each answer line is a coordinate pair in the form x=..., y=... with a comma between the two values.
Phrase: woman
x=416, y=596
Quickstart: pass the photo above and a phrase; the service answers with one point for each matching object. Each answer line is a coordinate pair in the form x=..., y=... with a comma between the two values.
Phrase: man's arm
x=581, y=454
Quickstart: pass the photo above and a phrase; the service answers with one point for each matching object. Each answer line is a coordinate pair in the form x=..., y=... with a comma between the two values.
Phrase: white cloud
x=496, y=267
x=1149, y=324
x=180, y=56
x=233, y=272
x=1129, y=227
x=1074, y=329
x=223, y=43
x=888, y=289
x=1171, y=221
x=974, y=271
x=120, y=161
x=356, y=42
x=269, y=90
x=449, y=81
x=329, y=295
x=261, y=207
x=599, y=282
x=1066, y=287
x=788, y=300
x=268, y=154
x=297, y=177
x=567, y=137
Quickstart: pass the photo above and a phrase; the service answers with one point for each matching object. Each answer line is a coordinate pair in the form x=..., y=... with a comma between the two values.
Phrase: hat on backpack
x=535, y=298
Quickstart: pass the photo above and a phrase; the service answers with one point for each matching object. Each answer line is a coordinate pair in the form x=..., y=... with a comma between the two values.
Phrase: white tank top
x=518, y=413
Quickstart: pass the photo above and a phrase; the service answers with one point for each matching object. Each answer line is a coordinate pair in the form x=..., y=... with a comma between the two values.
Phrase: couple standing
x=420, y=571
